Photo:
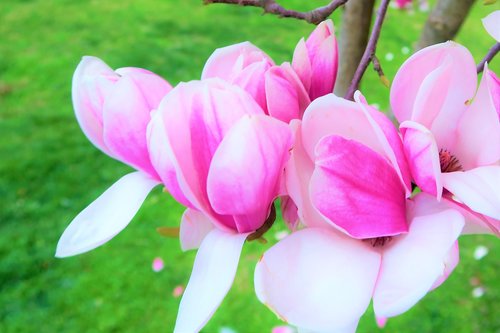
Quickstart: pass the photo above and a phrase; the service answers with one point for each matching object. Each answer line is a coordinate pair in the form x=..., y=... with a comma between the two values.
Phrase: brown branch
x=369, y=51
x=378, y=68
x=489, y=56
x=314, y=16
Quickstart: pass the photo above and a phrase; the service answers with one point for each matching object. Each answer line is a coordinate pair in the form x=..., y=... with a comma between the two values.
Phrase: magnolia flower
x=364, y=238
x=316, y=60
x=451, y=133
x=113, y=109
x=216, y=151
x=492, y=24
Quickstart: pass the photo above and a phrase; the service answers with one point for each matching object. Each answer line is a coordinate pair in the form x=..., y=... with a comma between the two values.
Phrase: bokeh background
x=49, y=171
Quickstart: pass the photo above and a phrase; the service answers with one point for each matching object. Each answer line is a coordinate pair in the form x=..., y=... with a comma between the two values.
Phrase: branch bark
x=370, y=49
x=489, y=56
x=314, y=16
x=444, y=22
x=354, y=32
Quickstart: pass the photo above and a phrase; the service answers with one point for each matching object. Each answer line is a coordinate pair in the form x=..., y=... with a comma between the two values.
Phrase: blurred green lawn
x=49, y=171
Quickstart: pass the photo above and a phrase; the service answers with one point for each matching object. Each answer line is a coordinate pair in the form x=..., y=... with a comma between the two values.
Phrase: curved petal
x=479, y=189
x=324, y=68
x=478, y=133
x=92, y=81
x=104, y=218
x=308, y=280
x=492, y=24
x=194, y=227
x=126, y=114
x=227, y=61
x=213, y=274
x=414, y=261
x=245, y=171
x=423, y=157
x=493, y=84
x=197, y=115
x=301, y=64
x=412, y=74
x=289, y=212
x=450, y=262
x=252, y=80
x=357, y=189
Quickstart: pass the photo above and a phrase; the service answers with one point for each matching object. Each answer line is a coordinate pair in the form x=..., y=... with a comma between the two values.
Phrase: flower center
x=448, y=162
x=378, y=241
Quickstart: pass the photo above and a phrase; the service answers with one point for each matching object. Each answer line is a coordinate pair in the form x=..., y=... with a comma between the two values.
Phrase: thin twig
x=314, y=16
x=491, y=53
x=369, y=51
x=378, y=68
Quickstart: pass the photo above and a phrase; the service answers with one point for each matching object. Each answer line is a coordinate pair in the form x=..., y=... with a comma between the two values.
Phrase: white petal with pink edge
x=109, y=214
x=194, y=227
x=308, y=280
x=213, y=274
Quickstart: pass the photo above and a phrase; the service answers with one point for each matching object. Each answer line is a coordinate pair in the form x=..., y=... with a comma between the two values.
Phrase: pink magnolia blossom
x=451, y=133
x=216, y=150
x=113, y=109
x=492, y=24
x=316, y=60
x=403, y=3
x=364, y=238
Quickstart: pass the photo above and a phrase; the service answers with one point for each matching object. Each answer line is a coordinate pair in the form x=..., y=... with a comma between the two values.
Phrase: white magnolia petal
x=213, y=274
x=194, y=227
x=106, y=216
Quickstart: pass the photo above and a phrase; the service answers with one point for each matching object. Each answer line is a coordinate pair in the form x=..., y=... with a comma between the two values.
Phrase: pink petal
x=493, y=83
x=213, y=274
x=227, y=61
x=357, y=189
x=324, y=68
x=414, y=262
x=287, y=98
x=450, y=262
x=301, y=64
x=492, y=24
x=298, y=172
x=104, y=218
x=245, y=172
x=414, y=73
x=252, y=80
x=194, y=227
x=322, y=32
x=381, y=321
x=423, y=157
x=289, y=212
x=158, y=264
x=126, y=114
x=479, y=189
x=92, y=81
x=478, y=134
x=308, y=280
x=196, y=117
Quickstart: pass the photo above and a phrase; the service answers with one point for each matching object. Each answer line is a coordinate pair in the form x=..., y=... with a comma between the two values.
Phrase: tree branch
x=370, y=49
x=491, y=53
x=314, y=16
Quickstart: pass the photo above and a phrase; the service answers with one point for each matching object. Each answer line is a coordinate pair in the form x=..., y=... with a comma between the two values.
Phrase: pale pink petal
x=104, y=218
x=450, y=262
x=301, y=64
x=289, y=212
x=92, y=81
x=252, y=80
x=388, y=138
x=492, y=24
x=423, y=157
x=283, y=329
x=196, y=116
x=323, y=31
x=308, y=280
x=478, y=134
x=381, y=321
x=412, y=74
x=245, y=171
x=414, y=261
x=158, y=264
x=212, y=276
x=223, y=62
x=493, y=83
x=194, y=227
x=357, y=189
x=298, y=172
x=334, y=115
x=161, y=156
x=126, y=114
x=479, y=189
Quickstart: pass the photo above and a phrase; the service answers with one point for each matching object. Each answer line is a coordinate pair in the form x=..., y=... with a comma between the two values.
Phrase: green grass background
x=49, y=171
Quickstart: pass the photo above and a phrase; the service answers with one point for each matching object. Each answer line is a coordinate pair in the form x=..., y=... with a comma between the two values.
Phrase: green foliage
x=49, y=171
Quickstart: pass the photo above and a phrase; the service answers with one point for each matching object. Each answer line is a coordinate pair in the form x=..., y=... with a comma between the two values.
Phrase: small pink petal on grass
x=178, y=291
x=381, y=321
x=158, y=264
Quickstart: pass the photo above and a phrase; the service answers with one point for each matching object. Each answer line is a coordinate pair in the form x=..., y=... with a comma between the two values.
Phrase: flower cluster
x=375, y=211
